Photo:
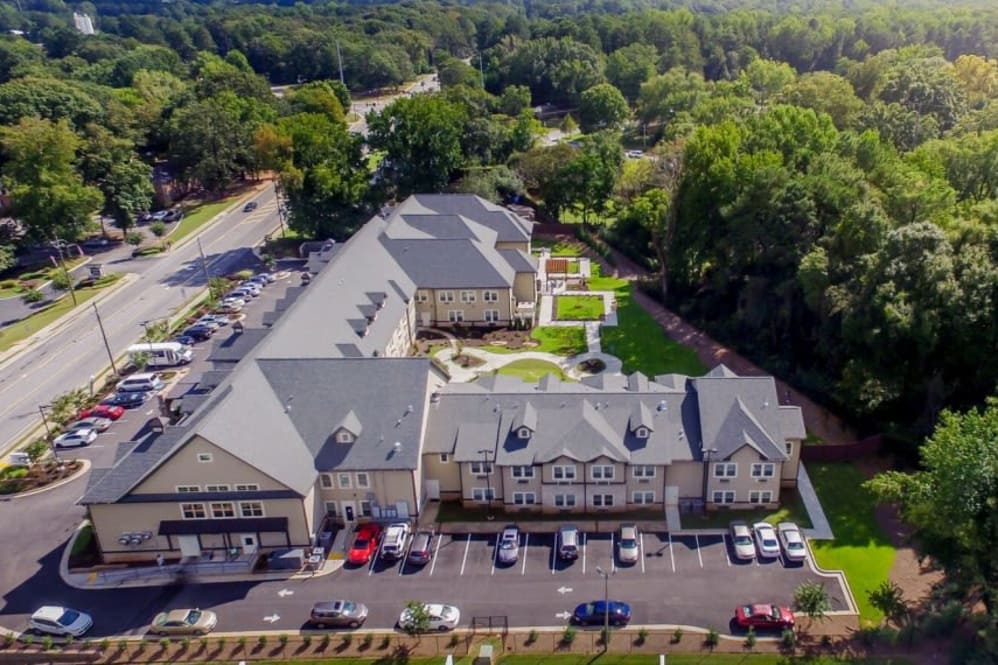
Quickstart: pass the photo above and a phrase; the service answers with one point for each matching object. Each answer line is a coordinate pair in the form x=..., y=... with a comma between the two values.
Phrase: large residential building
x=325, y=417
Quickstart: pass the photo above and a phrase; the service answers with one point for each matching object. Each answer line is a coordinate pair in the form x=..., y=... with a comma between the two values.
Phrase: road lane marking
x=467, y=544
x=699, y=556
x=672, y=557
x=436, y=549
x=526, y=545
x=583, y=553
x=641, y=544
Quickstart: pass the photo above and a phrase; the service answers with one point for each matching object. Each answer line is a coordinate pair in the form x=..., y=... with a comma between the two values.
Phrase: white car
x=93, y=422
x=60, y=621
x=765, y=540
x=741, y=541
x=509, y=545
x=627, y=544
x=253, y=282
x=76, y=437
x=442, y=617
x=634, y=154
x=792, y=541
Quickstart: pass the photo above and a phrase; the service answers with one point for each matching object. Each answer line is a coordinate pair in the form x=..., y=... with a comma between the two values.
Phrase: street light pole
x=48, y=430
x=485, y=452
x=62, y=261
x=706, y=474
x=107, y=347
x=606, y=605
x=204, y=263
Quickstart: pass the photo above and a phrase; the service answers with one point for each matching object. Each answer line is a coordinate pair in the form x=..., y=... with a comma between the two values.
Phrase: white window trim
x=567, y=500
x=242, y=513
x=444, y=458
x=523, y=433
x=481, y=494
x=601, y=500
x=642, y=432
x=421, y=296
x=204, y=510
x=490, y=296
x=365, y=512
x=644, y=471
x=188, y=489
x=205, y=458
x=762, y=467
x=565, y=468
x=211, y=507
x=756, y=496
x=521, y=472
x=520, y=498
x=247, y=487
x=643, y=497
x=220, y=487
x=344, y=485
x=344, y=436
x=468, y=296
x=724, y=495
x=367, y=480
x=326, y=481
x=481, y=469
x=455, y=316
x=335, y=508
x=445, y=296
x=721, y=469
x=603, y=468
x=491, y=315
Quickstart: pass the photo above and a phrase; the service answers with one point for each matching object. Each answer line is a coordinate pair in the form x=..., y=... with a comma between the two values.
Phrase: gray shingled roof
x=519, y=260
x=508, y=226
x=237, y=346
x=736, y=411
x=450, y=264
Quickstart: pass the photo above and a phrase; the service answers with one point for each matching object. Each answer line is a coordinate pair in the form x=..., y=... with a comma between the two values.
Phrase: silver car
x=509, y=544
x=627, y=544
x=765, y=540
x=792, y=541
x=741, y=541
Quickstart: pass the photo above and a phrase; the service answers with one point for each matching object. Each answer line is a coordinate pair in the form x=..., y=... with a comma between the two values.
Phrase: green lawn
x=198, y=216
x=531, y=370
x=559, y=340
x=792, y=510
x=638, y=340
x=24, y=328
x=578, y=308
x=558, y=247
x=860, y=549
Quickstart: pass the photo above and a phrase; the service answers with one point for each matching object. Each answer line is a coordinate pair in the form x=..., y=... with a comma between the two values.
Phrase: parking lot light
x=606, y=605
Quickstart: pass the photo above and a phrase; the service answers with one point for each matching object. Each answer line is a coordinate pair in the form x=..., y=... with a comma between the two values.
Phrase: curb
x=85, y=466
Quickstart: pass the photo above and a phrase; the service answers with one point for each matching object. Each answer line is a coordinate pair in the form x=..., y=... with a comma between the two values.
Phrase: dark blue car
x=128, y=400
x=594, y=613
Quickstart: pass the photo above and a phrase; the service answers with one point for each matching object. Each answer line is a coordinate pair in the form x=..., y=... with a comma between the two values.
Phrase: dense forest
x=821, y=190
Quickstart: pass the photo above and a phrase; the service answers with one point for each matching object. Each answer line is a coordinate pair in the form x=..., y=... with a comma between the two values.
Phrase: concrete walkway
x=493, y=361
x=820, y=528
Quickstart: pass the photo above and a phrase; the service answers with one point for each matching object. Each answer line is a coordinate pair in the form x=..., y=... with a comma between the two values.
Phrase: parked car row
x=766, y=542
x=232, y=302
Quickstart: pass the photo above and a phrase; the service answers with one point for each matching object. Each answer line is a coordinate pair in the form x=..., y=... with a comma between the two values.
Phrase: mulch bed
x=40, y=475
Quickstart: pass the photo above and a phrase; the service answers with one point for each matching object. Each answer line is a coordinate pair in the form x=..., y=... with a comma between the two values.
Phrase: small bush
x=158, y=228
x=8, y=640
x=242, y=275
x=122, y=645
x=788, y=640
x=185, y=643
x=61, y=281
x=37, y=450
x=104, y=645
x=242, y=643
x=531, y=637
x=386, y=642
x=164, y=642
x=325, y=641
x=68, y=641
x=32, y=296
x=568, y=636
x=8, y=284
x=367, y=641
x=826, y=641
x=750, y=638
x=347, y=639
x=713, y=638
x=283, y=639
x=642, y=636
x=28, y=639
x=47, y=643
x=453, y=641
x=306, y=641
x=202, y=644
x=134, y=238
x=221, y=643
x=262, y=641
x=677, y=635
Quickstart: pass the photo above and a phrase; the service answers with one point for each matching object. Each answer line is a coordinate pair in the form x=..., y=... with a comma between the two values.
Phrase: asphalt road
x=68, y=358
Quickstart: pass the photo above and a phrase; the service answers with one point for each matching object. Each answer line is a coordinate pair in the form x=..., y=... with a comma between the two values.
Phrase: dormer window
x=523, y=433
x=641, y=432
x=344, y=436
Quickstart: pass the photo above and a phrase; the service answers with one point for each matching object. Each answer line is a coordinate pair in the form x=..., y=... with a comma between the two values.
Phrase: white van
x=162, y=354
x=144, y=382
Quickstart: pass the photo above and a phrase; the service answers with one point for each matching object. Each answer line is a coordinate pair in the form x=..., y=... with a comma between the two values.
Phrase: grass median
x=199, y=216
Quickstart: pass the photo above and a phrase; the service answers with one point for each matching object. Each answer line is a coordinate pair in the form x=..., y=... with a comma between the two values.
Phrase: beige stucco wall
x=511, y=484
x=522, y=245
x=687, y=476
x=112, y=520
x=525, y=287
x=183, y=468
x=743, y=482
x=447, y=473
x=788, y=478
x=386, y=488
x=404, y=334
x=474, y=312
x=655, y=484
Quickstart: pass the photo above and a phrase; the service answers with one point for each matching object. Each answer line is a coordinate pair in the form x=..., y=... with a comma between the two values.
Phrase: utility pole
x=107, y=347
x=48, y=430
x=62, y=261
x=204, y=263
x=339, y=58
x=606, y=606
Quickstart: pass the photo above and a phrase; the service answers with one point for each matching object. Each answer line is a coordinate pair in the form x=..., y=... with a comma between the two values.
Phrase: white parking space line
x=699, y=556
x=583, y=554
x=436, y=550
x=554, y=558
x=613, y=559
x=641, y=543
x=467, y=544
x=495, y=553
x=405, y=555
x=526, y=544
x=724, y=545
x=374, y=559
x=672, y=556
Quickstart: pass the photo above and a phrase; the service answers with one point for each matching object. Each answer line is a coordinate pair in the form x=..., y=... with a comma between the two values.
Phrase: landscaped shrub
x=531, y=637
x=325, y=641
x=242, y=643
x=750, y=638
x=8, y=284
x=788, y=640
x=568, y=636
x=47, y=643
x=306, y=641
x=366, y=641
x=713, y=638
x=164, y=643
x=158, y=228
x=677, y=635
x=642, y=636
x=61, y=281
x=261, y=641
x=32, y=296
x=283, y=639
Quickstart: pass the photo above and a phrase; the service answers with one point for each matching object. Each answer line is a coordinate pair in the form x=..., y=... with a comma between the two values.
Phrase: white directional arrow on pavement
x=564, y=589
x=285, y=592
x=273, y=618
x=563, y=615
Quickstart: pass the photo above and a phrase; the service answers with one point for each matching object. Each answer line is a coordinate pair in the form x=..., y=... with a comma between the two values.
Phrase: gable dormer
x=525, y=423
x=348, y=429
x=640, y=423
x=637, y=383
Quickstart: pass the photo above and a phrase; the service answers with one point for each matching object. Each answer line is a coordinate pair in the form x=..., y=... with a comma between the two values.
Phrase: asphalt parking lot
x=686, y=579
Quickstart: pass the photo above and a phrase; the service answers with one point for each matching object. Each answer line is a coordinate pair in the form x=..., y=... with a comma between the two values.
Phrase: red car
x=764, y=616
x=365, y=544
x=102, y=411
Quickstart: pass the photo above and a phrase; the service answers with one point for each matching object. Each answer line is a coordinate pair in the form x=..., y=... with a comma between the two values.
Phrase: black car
x=128, y=400
x=199, y=333
x=338, y=614
x=594, y=613
x=186, y=340
x=250, y=207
